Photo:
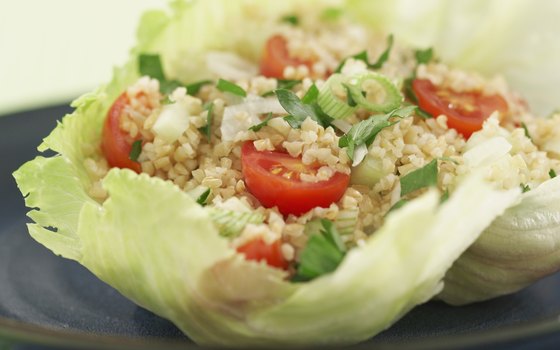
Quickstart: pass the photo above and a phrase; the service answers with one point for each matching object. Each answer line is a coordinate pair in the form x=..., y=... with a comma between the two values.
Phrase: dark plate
x=49, y=301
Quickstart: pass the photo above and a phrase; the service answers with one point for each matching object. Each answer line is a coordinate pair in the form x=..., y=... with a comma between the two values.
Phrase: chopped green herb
x=420, y=178
x=291, y=19
x=444, y=197
x=207, y=129
x=232, y=88
x=194, y=88
x=135, y=150
x=525, y=188
x=151, y=66
x=311, y=95
x=287, y=84
x=524, y=126
x=384, y=55
x=260, y=125
x=298, y=110
x=423, y=114
x=168, y=86
x=424, y=56
x=408, y=90
x=365, y=131
x=552, y=173
x=322, y=254
x=363, y=56
x=399, y=204
x=203, y=197
x=411, y=95
x=332, y=13
x=166, y=101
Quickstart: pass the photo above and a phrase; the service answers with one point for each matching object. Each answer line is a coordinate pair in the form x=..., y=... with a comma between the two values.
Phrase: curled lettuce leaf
x=154, y=244
x=517, y=249
x=158, y=247
x=518, y=41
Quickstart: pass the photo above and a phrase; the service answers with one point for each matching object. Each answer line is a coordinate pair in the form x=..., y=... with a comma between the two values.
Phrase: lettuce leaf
x=154, y=244
x=518, y=41
x=519, y=248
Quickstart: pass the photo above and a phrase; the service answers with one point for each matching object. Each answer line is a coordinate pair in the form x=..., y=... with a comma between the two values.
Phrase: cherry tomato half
x=116, y=144
x=276, y=57
x=274, y=179
x=465, y=111
x=258, y=250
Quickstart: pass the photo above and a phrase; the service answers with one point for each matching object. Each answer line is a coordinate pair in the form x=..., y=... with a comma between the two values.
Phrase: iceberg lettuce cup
x=265, y=187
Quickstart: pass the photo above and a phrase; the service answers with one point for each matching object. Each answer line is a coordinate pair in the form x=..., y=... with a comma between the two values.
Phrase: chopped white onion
x=242, y=116
x=359, y=154
x=235, y=204
x=172, y=122
x=342, y=125
x=230, y=66
x=487, y=152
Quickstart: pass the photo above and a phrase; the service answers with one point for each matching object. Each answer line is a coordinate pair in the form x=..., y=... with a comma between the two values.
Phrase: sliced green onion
x=392, y=99
x=346, y=221
x=328, y=100
x=135, y=150
x=231, y=223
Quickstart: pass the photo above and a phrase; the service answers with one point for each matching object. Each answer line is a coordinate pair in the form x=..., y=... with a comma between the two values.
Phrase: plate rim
x=18, y=332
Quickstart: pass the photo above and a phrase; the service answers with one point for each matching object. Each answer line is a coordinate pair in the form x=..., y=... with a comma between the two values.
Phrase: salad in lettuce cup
x=158, y=246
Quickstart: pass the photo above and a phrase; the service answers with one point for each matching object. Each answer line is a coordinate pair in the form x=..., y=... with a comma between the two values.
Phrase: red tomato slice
x=116, y=144
x=258, y=250
x=276, y=57
x=274, y=179
x=465, y=111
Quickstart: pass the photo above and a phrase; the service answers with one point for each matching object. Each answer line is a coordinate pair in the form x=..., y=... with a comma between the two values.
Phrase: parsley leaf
x=552, y=173
x=194, y=88
x=168, y=86
x=399, y=204
x=207, y=129
x=291, y=19
x=384, y=55
x=365, y=131
x=228, y=86
x=524, y=126
x=322, y=254
x=151, y=66
x=135, y=150
x=260, y=125
x=299, y=110
x=424, y=56
x=311, y=95
x=420, y=178
x=363, y=56
x=287, y=84
x=411, y=95
x=444, y=197
x=203, y=197
x=525, y=188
